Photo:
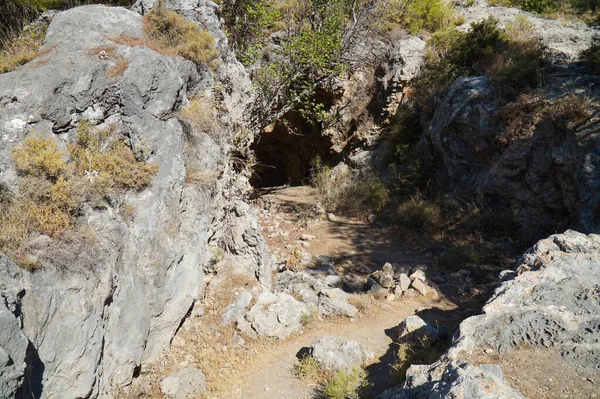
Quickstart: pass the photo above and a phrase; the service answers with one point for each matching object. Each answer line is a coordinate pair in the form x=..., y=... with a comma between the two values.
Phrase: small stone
x=404, y=282
x=411, y=293
x=387, y=281
x=418, y=275
x=420, y=286
x=187, y=383
x=388, y=270
x=372, y=218
x=331, y=217
x=307, y=237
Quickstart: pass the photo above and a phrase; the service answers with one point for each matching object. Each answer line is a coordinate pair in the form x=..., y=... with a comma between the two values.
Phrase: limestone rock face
x=565, y=40
x=534, y=183
x=273, y=315
x=95, y=312
x=454, y=380
x=553, y=302
x=550, y=303
x=336, y=353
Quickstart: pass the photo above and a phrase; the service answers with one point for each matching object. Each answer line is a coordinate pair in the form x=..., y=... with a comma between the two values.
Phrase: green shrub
x=172, y=33
x=346, y=384
x=409, y=354
x=484, y=50
x=420, y=215
x=419, y=15
x=459, y=256
x=592, y=57
x=537, y=6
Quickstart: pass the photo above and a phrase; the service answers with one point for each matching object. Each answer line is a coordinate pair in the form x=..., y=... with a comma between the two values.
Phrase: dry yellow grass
x=200, y=114
x=169, y=33
x=118, y=68
x=194, y=175
x=23, y=48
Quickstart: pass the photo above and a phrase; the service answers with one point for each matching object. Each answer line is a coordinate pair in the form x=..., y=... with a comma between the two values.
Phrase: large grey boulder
x=454, y=379
x=565, y=40
x=415, y=330
x=336, y=353
x=238, y=90
x=273, y=315
x=13, y=348
x=534, y=182
x=126, y=293
x=553, y=303
x=187, y=383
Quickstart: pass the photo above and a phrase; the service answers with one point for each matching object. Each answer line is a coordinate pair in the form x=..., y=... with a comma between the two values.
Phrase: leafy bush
x=484, y=50
x=19, y=50
x=457, y=257
x=346, y=384
x=420, y=15
x=420, y=215
x=172, y=33
x=355, y=196
x=537, y=6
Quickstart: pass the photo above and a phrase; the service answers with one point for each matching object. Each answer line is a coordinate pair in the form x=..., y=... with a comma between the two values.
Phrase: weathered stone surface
x=13, y=346
x=334, y=301
x=420, y=286
x=187, y=383
x=453, y=380
x=126, y=294
x=273, y=315
x=565, y=40
x=418, y=275
x=317, y=292
x=552, y=303
x=238, y=308
x=404, y=282
x=533, y=183
x=416, y=330
x=336, y=353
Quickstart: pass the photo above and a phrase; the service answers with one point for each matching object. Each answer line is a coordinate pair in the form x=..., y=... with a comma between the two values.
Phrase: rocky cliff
x=549, y=304
x=95, y=310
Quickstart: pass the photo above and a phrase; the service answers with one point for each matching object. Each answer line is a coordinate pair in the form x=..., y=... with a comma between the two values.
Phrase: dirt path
x=357, y=247
x=274, y=378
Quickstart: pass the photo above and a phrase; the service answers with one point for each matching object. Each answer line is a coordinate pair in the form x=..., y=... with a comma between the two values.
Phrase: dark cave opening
x=285, y=152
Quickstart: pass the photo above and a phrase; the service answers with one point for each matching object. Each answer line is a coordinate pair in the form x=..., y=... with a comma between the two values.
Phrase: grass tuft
x=23, y=48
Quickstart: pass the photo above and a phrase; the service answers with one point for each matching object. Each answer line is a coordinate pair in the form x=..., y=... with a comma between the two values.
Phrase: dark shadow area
x=32, y=387
x=284, y=152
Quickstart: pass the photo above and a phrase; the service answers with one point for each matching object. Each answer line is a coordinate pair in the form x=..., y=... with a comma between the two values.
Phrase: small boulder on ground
x=273, y=315
x=336, y=353
x=187, y=383
x=414, y=329
x=237, y=308
x=334, y=301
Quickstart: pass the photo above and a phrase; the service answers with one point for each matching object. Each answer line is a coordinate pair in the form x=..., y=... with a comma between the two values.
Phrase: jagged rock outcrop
x=536, y=182
x=551, y=303
x=337, y=353
x=565, y=40
x=453, y=380
x=95, y=311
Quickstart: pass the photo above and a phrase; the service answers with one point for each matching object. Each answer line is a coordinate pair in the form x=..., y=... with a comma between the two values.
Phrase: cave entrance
x=285, y=151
